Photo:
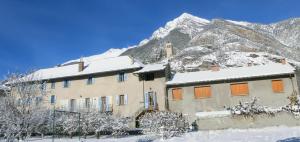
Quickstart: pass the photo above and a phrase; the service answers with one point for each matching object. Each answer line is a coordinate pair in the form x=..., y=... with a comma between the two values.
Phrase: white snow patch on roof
x=113, y=52
x=98, y=66
x=152, y=68
x=232, y=73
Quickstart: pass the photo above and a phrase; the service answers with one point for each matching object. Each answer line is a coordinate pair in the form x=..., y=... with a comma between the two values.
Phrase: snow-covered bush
x=249, y=109
x=294, y=106
x=108, y=123
x=166, y=124
x=92, y=122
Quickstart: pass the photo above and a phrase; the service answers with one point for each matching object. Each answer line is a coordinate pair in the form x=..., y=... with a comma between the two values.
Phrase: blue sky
x=42, y=33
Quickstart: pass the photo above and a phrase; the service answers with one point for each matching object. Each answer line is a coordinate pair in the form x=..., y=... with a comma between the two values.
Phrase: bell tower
x=169, y=49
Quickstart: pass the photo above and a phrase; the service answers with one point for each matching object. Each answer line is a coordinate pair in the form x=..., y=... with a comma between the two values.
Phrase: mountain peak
x=184, y=21
x=192, y=17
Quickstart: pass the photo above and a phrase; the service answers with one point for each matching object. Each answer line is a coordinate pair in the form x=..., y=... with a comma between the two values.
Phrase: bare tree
x=22, y=110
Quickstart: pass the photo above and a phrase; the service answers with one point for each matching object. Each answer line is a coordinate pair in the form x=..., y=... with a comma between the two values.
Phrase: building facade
x=216, y=90
x=120, y=86
x=125, y=87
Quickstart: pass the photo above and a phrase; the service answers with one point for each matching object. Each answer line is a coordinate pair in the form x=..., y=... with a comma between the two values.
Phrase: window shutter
x=118, y=100
x=94, y=103
x=202, y=92
x=146, y=100
x=240, y=89
x=177, y=94
x=125, y=99
x=118, y=77
x=108, y=103
x=125, y=76
x=77, y=101
x=154, y=100
x=277, y=86
x=81, y=104
x=99, y=104
x=67, y=105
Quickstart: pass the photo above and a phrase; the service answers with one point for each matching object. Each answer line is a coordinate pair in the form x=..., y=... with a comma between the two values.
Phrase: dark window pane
x=52, y=99
x=149, y=76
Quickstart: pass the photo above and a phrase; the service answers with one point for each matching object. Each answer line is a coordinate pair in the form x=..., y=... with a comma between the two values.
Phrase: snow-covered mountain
x=195, y=39
x=198, y=43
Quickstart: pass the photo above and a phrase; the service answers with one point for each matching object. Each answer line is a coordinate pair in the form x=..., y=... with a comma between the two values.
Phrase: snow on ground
x=269, y=134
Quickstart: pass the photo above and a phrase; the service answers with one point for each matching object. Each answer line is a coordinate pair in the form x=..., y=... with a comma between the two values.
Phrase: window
x=122, y=100
x=72, y=105
x=277, y=86
x=149, y=76
x=66, y=83
x=121, y=77
x=52, y=85
x=87, y=103
x=38, y=100
x=52, y=99
x=202, y=92
x=90, y=80
x=43, y=85
x=239, y=89
x=177, y=94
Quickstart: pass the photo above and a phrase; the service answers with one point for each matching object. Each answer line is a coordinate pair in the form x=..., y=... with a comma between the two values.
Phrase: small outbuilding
x=217, y=89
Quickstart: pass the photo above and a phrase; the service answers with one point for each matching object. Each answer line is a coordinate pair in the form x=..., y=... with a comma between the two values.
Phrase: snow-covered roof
x=270, y=69
x=151, y=68
x=93, y=67
x=113, y=52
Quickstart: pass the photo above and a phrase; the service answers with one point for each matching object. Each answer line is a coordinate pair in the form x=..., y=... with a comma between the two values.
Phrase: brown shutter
x=202, y=92
x=277, y=86
x=239, y=89
x=177, y=94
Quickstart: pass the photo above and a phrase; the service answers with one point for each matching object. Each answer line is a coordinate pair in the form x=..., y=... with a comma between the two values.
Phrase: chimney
x=81, y=65
x=283, y=61
x=214, y=67
x=169, y=49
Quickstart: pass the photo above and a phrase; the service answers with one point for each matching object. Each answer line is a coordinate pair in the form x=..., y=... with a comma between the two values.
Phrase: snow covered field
x=269, y=134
